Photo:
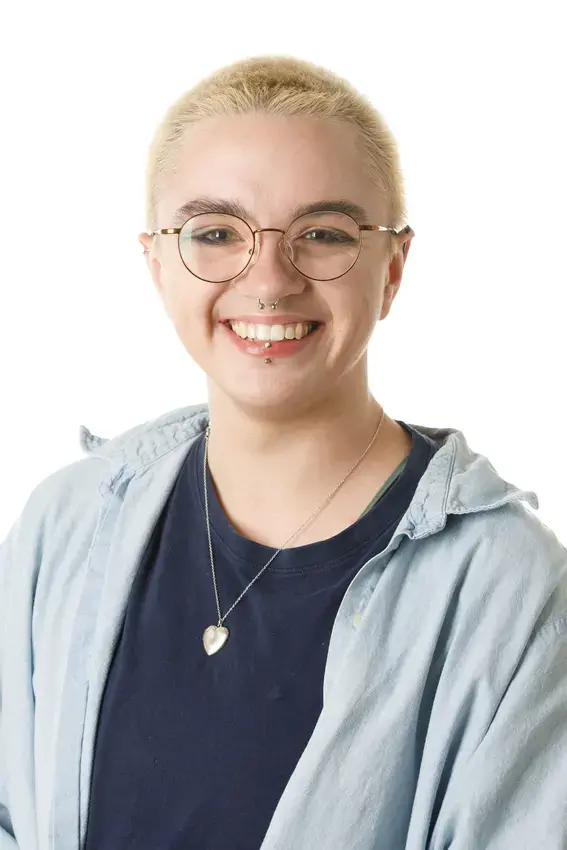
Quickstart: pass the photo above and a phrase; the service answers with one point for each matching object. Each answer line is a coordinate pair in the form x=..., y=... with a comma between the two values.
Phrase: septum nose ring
x=262, y=306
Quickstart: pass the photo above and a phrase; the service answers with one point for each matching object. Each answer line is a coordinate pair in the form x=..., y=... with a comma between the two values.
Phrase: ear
x=395, y=270
x=154, y=265
x=145, y=240
x=152, y=261
x=404, y=238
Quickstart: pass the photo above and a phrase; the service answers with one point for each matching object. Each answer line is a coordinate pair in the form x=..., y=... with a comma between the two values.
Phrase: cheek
x=359, y=299
x=186, y=309
x=188, y=300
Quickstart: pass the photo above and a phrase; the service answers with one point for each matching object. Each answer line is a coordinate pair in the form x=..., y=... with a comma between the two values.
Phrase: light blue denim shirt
x=444, y=722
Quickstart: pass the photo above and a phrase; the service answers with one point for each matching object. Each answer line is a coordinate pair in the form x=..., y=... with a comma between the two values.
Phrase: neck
x=276, y=470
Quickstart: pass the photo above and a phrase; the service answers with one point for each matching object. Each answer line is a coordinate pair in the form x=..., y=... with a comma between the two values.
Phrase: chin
x=263, y=391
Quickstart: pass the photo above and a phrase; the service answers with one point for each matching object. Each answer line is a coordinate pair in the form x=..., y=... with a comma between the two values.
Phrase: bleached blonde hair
x=279, y=85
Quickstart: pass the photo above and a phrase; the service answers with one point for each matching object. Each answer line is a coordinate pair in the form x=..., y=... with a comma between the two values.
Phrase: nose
x=270, y=274
x=258, y=244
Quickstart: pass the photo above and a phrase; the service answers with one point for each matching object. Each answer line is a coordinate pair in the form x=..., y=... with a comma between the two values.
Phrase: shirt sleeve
x=7, y=839
x=513, y=790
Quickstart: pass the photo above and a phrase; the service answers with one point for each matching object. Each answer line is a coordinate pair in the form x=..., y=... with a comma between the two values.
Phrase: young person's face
x=271, y=165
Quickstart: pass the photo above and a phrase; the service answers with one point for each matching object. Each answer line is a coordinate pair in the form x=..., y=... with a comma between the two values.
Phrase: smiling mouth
x=272, y=333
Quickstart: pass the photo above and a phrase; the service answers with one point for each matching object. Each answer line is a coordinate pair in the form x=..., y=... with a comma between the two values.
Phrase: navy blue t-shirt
x=194, y=751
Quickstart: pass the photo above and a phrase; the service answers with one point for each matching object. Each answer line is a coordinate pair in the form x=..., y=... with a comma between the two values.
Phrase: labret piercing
x=268, y=344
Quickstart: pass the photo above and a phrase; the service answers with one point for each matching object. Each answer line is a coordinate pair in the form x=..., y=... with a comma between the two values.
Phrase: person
x=281, y=618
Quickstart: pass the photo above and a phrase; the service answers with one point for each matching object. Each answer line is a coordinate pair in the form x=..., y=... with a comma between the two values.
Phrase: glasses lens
x=323, y=246
x=215, y=247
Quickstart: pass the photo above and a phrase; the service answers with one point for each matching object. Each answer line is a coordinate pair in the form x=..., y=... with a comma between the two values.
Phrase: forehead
x=269, y=163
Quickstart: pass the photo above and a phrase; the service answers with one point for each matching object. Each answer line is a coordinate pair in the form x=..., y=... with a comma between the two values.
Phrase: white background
x=475, y=94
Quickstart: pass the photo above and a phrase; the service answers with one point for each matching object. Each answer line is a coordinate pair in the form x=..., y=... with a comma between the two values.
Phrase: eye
x=326, y=236
x=214, y=236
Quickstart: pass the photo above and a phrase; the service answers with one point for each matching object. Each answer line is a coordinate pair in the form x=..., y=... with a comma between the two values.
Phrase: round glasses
x=217, y=247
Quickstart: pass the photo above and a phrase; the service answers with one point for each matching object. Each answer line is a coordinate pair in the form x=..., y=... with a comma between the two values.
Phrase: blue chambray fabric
x=444, y=721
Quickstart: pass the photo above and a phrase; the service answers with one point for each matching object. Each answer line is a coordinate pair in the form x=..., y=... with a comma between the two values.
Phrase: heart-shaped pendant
x=214, y=638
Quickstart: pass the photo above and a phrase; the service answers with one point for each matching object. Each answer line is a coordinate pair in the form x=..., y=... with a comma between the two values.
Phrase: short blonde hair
x=279, y=85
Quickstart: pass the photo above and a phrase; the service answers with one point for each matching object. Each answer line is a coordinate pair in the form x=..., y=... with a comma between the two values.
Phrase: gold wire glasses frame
x=366, y=227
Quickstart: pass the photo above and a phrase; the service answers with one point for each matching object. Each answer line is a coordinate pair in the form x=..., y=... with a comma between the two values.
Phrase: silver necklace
x=215, y=637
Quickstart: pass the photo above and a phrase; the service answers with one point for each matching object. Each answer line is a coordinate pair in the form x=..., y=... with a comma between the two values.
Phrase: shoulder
x=65, y=505
x=512, y=570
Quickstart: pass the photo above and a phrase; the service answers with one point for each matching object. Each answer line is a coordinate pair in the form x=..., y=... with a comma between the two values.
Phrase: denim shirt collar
x=458, y=480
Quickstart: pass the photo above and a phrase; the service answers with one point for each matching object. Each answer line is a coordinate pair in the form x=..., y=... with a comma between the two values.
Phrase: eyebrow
x=231, y=207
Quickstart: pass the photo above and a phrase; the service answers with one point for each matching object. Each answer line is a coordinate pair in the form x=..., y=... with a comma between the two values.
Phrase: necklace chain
x=313, y=515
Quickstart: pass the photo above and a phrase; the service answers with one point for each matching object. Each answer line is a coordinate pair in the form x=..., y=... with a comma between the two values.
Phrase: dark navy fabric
x=194, y=751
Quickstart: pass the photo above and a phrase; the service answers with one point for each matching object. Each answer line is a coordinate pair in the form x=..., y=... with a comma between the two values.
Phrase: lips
x=275, y=349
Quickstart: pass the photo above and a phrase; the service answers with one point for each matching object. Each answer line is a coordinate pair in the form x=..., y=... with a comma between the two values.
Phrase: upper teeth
x=271, y=332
